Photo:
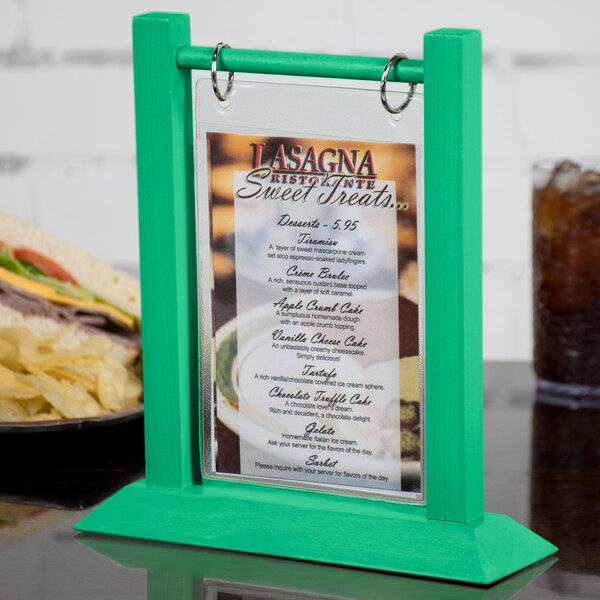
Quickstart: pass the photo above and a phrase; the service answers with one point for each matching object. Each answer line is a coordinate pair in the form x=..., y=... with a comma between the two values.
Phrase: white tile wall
x=57, y=110
x=514, y=26
x=325, y=26
x=67, y=139
x=96, y=194
x=61, y=25
x=11, y=24
x=557, y=111
x=15, y=187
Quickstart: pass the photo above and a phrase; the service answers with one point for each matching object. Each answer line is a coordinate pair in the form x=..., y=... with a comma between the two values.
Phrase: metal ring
x=383, y=84
x=213, y=74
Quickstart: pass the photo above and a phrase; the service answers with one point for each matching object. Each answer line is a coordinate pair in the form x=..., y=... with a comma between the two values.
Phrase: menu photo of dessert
x=314, y=302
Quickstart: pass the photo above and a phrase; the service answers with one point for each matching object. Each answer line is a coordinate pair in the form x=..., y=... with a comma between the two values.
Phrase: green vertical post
x=164, y=134
x=453, y=366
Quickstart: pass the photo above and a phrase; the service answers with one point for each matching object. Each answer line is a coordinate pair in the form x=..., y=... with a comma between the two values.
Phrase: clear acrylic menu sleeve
x=310, y=262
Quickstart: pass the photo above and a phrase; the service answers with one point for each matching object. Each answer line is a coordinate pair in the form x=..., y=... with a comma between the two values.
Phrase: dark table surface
x=542, y=469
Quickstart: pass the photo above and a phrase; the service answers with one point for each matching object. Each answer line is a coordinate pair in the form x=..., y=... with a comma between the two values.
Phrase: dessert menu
x=314, y=269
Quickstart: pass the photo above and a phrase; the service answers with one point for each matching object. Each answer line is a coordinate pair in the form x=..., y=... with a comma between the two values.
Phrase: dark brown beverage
x=566, y=273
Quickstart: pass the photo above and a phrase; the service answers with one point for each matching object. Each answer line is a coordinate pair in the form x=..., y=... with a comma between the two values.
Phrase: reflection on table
x=40, y=556
x=181, y=572
x=565, y=487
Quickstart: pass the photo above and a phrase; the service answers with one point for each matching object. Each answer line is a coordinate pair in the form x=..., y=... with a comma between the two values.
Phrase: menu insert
x=314, y=267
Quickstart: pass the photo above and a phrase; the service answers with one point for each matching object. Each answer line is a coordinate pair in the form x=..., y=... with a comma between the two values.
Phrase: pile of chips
x=41, y=381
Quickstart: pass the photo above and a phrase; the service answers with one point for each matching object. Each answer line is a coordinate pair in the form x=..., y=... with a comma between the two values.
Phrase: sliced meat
x=90, y=320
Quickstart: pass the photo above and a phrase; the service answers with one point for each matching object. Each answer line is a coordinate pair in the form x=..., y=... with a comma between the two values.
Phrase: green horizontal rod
x=300, y=64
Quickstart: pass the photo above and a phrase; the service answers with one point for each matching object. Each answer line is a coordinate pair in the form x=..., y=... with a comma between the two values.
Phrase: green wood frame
x=450, y=536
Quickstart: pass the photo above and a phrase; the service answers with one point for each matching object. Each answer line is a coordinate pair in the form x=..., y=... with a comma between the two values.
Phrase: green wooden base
x=320, y=527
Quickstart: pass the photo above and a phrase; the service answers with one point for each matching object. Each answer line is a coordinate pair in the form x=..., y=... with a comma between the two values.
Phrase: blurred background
x=67, y=138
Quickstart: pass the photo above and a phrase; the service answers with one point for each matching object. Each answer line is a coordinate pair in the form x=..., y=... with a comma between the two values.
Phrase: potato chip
x=97, y=345
x=11, y=388
x=112, y=385
x=87, y=378
x=133, y=390
x=20, y=337
x=8, y=355
x=35, y=406
x=51, y=415
x=69, y=399
x=11, y=410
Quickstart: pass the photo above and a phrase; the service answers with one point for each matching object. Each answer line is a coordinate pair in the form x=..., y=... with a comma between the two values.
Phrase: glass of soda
x=566, y=276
